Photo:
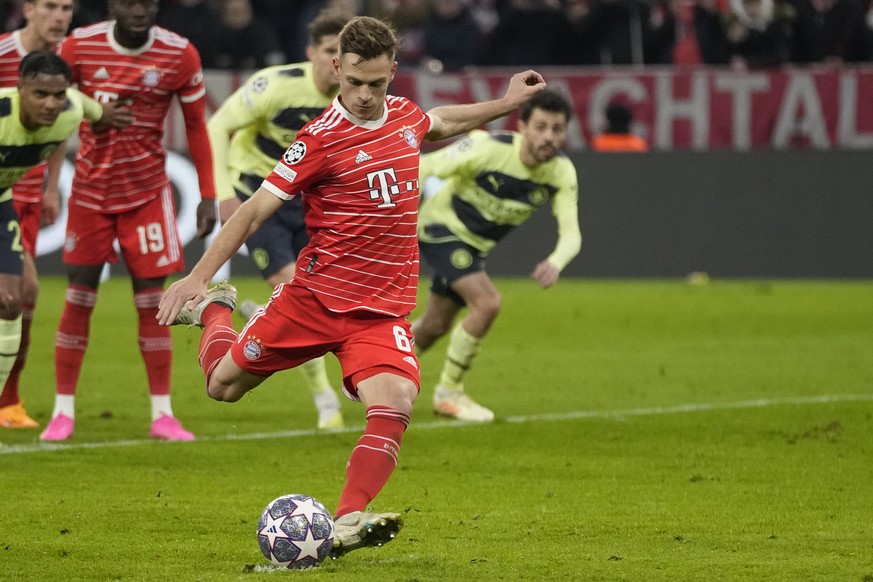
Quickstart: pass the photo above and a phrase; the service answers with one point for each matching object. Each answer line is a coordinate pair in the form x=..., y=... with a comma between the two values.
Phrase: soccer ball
x=295, y=531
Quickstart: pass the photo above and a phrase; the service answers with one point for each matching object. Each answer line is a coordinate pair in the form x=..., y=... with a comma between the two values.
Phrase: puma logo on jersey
x=362, y=157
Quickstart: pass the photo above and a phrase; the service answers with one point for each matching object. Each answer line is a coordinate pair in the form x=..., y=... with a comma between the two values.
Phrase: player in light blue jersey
x=491, y=183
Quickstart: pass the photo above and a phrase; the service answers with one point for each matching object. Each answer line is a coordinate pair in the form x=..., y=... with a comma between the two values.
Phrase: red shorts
x=29, y=218
x=295, y=327
x=147, y=235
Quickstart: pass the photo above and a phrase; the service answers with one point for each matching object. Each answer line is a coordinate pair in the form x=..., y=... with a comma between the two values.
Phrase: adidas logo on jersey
x=411, y=361
x=101, y=73
x=362, y=157
x=163, y=261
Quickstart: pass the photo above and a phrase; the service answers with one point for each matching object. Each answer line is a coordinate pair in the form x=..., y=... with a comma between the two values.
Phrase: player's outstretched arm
x=452, y=120
x=191, y=290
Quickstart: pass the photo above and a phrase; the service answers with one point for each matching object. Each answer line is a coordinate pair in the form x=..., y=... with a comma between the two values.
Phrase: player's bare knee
x=223, y=392
x=215, y=391
x=404, y=396
x=30, y=292
x=432, y=327
x=393, y=390
x=441, y=327
x=409, y=393
x=10, y=306
x=489, y=307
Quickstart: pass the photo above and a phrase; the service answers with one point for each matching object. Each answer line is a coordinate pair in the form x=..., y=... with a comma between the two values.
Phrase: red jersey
x=30, y=186
x=11, y=53
x=360, y=195
x=117, y=170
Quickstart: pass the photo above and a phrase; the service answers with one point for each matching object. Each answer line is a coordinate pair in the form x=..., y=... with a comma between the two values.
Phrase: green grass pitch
x=646, y=431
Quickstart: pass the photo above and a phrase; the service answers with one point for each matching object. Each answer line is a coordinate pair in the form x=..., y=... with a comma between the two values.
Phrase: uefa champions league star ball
x=295, y=531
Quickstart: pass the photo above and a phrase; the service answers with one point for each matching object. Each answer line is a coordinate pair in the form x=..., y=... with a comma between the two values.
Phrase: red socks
x=72, y=338
x=373, y=459
x=218, y=336
x=155, y=341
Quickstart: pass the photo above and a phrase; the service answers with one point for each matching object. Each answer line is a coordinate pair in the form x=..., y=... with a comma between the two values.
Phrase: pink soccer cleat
x=60, y=428
x=168, y=428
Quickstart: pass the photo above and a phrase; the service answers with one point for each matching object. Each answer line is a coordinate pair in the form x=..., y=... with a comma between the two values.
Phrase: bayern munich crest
x=71, y=242
x=252, y=350
x=151, y=78
x=295, y=153
x=409, y=137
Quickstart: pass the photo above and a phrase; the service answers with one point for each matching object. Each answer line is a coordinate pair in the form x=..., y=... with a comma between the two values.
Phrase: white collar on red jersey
x=19, y=46
x=365, y=123
x=110, y=35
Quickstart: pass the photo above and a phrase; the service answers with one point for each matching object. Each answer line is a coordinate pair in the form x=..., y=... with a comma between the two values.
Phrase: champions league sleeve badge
x=294, y=153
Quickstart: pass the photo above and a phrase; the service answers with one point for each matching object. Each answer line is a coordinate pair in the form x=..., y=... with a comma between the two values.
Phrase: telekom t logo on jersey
x=105, y=96
x=383, y=184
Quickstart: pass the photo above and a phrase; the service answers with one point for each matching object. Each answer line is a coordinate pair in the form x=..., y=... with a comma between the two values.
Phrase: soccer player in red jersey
x=47, y=23
x=356, y=167
x=121, y=191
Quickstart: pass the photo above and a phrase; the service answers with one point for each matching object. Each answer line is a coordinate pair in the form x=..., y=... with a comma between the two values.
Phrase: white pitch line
x=694, y=407
x=570, y=415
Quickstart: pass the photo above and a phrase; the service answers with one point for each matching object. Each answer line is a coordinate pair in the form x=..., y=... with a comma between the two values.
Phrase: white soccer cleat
x=330, y=416
x=362, y=530
x=248, y=308
x=456, y=404
x=223, y=293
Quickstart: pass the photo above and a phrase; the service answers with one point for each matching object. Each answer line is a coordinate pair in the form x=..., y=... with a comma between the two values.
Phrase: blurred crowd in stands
x=452, y=35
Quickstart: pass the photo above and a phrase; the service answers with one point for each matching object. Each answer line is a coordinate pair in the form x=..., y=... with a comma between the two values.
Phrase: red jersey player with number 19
x=121, y=191
x=356, y=167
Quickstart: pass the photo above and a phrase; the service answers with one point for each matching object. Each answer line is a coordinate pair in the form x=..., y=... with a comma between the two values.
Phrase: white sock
x=65, y=404
x=440, y=392
x=314, y=374
x=10, y=341
x=161, y=405
x=326, y=401
x=460, y=355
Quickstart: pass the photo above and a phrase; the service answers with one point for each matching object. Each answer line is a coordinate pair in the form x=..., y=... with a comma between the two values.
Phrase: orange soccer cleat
x=14, y=416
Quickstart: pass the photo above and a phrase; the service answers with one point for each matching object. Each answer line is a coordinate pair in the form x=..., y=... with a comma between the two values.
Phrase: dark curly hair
x=43, y=62
x=547, y=100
